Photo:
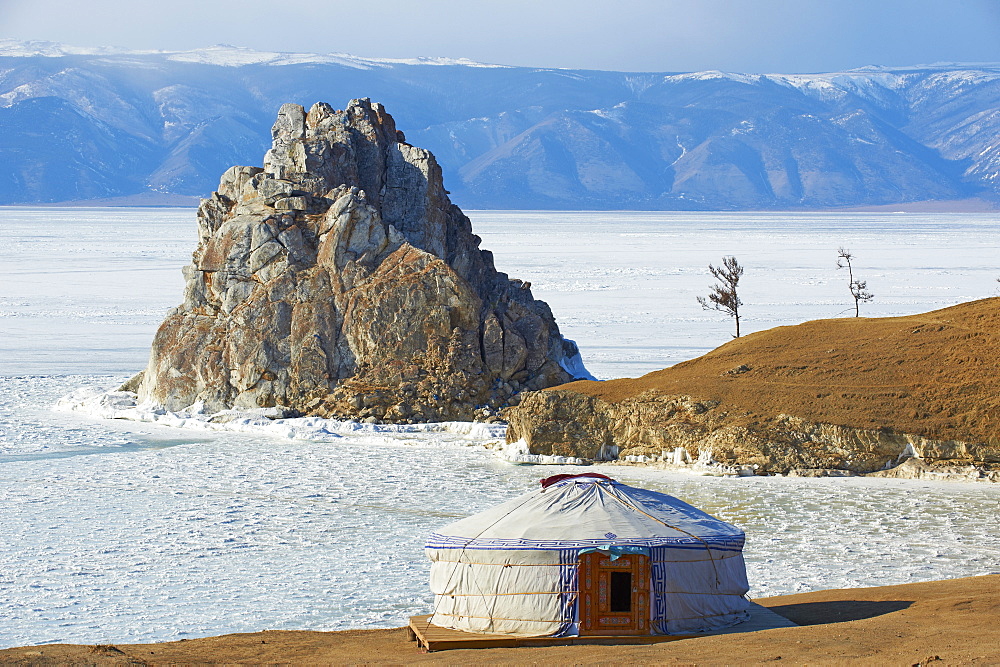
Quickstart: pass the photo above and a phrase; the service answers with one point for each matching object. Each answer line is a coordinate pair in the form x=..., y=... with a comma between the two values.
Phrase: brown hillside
x=935, y=374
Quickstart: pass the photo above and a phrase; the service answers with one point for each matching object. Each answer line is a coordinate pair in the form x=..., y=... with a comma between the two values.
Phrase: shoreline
x=112, y=405
x=170, y=200
x=944, y=620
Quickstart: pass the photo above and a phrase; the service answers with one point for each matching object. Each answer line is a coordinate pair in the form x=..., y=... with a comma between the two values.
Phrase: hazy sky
x=640, y=35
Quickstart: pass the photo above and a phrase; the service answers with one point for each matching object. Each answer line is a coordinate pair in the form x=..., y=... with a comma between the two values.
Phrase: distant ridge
x=94, y=123
x=225, y=55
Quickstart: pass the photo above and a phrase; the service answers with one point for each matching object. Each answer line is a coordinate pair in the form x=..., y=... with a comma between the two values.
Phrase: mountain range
x=78, y=124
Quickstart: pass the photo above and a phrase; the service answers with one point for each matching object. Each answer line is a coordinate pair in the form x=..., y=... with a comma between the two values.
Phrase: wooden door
x=614, y=594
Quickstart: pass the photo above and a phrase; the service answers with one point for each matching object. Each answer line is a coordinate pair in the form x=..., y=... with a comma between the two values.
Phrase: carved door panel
x=614, y=594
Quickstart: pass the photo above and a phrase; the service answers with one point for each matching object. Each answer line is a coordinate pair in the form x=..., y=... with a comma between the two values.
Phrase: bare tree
x=859, y=288
x=724, y=297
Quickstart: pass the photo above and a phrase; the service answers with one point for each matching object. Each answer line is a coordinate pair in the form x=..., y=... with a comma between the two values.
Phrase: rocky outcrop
x=339, y=280
x=654, y=427
x=831, y=397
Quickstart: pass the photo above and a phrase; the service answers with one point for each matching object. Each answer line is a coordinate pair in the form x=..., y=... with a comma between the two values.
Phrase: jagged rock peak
x=340, y=280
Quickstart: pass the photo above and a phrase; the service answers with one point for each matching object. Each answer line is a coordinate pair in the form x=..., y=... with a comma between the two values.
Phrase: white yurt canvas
x=586, y=555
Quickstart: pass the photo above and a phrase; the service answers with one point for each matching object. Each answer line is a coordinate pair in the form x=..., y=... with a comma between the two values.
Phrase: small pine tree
x=859, y=288
x=724, y=297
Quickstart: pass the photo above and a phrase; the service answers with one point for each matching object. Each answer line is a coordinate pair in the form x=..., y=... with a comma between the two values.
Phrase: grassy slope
x=935, y=374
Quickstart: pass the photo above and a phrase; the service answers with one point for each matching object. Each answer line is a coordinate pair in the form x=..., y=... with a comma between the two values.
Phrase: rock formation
x=677, y=429
x=854, y=395
x=340, y=280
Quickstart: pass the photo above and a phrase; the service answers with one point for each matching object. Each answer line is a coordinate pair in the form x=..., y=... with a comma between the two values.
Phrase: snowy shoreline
x=96, y=403
x=93, y=402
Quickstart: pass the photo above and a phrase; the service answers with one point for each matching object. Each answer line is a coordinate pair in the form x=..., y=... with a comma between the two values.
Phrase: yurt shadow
x=838, y=611
x=585, y=559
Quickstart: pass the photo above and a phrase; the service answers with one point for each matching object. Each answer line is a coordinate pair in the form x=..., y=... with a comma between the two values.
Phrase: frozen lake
x=84, y=289
x=122, y=531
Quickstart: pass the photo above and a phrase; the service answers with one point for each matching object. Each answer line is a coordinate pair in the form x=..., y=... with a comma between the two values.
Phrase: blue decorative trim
x=438, y=541
x=658, y=574
x=617, y=551
x=569, y=564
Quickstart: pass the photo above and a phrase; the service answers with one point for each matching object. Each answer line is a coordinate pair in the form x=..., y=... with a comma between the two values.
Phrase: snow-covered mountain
x=80, y=123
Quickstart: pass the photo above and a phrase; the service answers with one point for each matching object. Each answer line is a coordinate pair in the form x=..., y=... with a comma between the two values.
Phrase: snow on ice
x=164, y=525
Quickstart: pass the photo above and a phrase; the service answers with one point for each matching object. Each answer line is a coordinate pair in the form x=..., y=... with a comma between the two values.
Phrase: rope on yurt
x=458, y=563
x=718, y=582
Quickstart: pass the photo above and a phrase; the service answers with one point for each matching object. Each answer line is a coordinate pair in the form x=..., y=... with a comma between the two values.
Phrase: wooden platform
x=433, y=638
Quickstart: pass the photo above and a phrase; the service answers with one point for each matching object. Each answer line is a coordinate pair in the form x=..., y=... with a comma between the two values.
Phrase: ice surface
x=114, y=530
x=517, y=452
x=575, y=366
x=623, y=285
x=83, y=289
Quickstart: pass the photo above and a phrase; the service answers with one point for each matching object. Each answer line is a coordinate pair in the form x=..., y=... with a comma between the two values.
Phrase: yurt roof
x=589, y=511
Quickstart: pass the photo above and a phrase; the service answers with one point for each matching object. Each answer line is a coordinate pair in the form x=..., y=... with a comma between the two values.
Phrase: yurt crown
x=592, y=477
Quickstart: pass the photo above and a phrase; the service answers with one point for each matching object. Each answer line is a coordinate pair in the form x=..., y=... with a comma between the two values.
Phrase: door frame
x=594, y=601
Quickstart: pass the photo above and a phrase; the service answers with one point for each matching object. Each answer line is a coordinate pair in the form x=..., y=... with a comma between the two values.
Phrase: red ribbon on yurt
x=555, y=479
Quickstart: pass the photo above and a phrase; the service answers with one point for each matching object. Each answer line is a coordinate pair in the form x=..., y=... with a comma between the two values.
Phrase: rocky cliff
x=339, y=280
x=852, y=395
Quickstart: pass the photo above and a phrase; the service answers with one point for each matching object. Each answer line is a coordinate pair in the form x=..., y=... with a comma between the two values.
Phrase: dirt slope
x=935, y=374
x=945, y=622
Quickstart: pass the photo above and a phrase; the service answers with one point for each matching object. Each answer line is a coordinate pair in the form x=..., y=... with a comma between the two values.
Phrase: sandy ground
x=943, y=622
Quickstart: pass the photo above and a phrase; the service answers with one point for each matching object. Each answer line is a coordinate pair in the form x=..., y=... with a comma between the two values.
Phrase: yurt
x=586, y=555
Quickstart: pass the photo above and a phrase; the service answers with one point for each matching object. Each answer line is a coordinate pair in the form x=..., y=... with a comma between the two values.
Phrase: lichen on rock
x=339, y=280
